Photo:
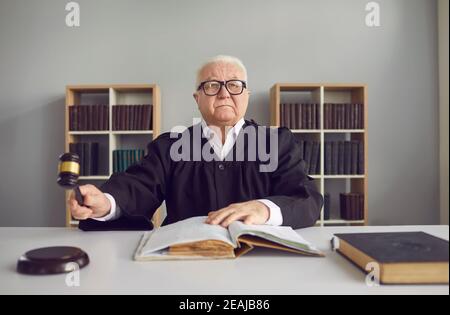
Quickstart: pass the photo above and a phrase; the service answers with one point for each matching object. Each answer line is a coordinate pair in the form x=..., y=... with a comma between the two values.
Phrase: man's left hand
x=250, y=212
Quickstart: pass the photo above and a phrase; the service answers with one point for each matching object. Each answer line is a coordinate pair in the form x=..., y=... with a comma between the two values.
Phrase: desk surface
x=262, y=271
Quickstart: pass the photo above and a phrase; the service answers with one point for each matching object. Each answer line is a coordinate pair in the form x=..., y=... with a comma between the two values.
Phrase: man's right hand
x=96, y=204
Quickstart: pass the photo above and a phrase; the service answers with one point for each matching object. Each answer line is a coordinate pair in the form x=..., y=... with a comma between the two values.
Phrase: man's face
x=222, y=109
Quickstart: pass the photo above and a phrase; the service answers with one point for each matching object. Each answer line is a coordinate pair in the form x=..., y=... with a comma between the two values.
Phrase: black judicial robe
x=194, y=188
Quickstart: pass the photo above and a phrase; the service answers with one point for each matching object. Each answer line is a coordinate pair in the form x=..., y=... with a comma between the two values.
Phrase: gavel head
x=68, y=170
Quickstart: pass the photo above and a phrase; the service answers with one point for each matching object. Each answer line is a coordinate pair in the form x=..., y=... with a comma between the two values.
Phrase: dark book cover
x=281, y=115
x=356, y=122
x=328, y=152
x=114, y=115
x=144, y=113
x=71, y=119
x=361, y=116
x=335, y=157
x=150, y=117
x=298, y=121
x=132, y=114
x=313, y=116
x=352, y=116
x=341, y=157
x=361, y=158
x=90, y=121
x=138, y=117
x=293, y=122
x=334, y=116
x=325, y=116
x=304, y=116
x=87, y=158
x=94, y=158
x=344, y=206
x=347, y=116
x=106, y=119
x=115, y=168
x=338, y=116
x=317, y=126
x=301, y=144
x=399, y=247
x=361, y=207
x=355, y=162
x=326, y=206
x=287, y=116
x=315, y=158
x=347, y=157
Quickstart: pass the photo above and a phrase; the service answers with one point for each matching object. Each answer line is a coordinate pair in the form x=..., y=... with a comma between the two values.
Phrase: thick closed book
x=194, y=239
x=402, y=258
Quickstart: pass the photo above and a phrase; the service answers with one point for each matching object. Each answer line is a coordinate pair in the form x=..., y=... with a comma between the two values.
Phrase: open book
x=194, y=239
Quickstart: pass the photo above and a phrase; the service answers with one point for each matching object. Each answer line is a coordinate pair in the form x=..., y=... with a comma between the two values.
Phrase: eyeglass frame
x=222, y=84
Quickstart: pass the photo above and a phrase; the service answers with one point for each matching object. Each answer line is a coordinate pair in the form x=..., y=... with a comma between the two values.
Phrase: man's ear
x=195, y=95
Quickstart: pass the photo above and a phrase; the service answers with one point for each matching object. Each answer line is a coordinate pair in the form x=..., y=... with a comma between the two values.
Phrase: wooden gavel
x=68, y=173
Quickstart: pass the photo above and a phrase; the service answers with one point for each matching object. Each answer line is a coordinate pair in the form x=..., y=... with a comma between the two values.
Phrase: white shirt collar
x=222, y=149
x=234, y=131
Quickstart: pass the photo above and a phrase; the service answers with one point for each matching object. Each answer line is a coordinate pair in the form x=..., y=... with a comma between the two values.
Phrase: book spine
x=335, y=157
x=347, y=157
x=326, y=206
x=328, y=152
x=361, y=158
x=293, y=123
x=354, y=169
x=341, y=157
x=314, y=157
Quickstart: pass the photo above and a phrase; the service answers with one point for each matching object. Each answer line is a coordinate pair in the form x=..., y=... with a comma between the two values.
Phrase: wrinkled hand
x=96, y=204
x=250, y=212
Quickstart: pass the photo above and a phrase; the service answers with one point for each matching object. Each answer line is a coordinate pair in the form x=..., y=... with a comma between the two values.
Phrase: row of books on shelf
x=344, y=157
x=89, y=157
x=96, y=117
x=341, y=157
x=336, y=116
x=343, y=116
x=351, y=206
x=88, y=117
x=132, y=117
x=122, y=159
x=300, y=116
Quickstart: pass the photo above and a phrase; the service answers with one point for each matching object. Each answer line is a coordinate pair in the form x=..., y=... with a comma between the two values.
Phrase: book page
x=182, y=232
x=282, y=235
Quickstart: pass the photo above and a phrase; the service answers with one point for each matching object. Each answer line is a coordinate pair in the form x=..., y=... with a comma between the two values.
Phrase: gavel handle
x=78, y=196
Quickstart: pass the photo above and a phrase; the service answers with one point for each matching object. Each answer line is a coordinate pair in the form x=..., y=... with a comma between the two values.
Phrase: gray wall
x=164, y=41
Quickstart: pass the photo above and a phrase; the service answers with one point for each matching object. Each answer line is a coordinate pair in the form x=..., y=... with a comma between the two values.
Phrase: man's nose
x=223, y=93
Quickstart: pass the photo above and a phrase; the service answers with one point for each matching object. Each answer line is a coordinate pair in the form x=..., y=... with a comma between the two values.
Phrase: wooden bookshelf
x=282, y=93
x=110, y=140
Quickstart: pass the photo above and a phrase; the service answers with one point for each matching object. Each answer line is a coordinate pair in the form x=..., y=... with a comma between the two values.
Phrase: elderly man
x=223, y=188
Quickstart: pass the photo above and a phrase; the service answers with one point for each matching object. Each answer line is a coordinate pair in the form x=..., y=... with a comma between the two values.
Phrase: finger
x=210, y=214
x=82, y=213
x=88, y=190
x=221, y=215
x=234, y=217
x=249, y=220
x=214, y=214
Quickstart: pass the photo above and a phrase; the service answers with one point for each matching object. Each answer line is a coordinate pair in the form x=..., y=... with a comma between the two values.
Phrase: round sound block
x=52, y=260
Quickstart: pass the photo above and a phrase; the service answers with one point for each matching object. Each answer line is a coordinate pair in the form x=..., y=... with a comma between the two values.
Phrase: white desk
x=112, y=270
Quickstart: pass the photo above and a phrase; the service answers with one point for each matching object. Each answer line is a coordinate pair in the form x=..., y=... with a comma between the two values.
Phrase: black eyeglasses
x=213, y=87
